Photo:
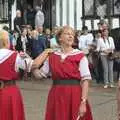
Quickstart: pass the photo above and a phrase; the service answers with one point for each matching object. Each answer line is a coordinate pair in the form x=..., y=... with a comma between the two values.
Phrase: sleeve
x=84, y=69
x=23, y=63
x=42, y=17
x=45, y=68
x=98, y=44
x=112, y=44
x=90, y=39
x=43, y=71
x=79, y=44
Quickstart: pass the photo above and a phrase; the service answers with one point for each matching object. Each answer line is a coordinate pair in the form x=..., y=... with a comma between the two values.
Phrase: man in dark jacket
x=18, y=22
x=39, y=44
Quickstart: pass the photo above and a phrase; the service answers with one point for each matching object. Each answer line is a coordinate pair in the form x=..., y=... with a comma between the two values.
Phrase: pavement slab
x=102, y=101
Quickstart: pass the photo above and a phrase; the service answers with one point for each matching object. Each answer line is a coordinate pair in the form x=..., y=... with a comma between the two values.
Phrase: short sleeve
x=84, y=69
x=44, y=70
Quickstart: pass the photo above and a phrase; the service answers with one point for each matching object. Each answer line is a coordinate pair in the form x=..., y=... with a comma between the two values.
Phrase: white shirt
x=20, y=61
x=85, y=40
x=105, y=44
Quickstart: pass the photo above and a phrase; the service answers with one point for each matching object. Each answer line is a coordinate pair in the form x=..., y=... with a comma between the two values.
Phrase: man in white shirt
x=85, y=40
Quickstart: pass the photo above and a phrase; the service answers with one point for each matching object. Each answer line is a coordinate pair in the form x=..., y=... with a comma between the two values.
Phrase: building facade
x=75, y=13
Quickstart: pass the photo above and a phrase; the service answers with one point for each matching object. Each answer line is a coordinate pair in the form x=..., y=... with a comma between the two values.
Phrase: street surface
x=103, y=101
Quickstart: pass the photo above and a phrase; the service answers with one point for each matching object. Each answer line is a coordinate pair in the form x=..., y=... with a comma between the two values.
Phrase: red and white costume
x=11, y=104
x=64, y=100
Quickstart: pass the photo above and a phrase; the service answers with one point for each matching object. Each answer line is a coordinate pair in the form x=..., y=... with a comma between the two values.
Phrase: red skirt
x=63, y=103
x=11, y=105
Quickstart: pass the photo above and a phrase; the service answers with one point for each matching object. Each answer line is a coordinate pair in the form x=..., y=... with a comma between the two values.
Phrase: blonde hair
x=61, y=31
x=3, y=38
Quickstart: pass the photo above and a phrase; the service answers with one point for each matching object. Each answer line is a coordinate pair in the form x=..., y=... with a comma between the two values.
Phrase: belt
x=4, y=83
x=66, y=82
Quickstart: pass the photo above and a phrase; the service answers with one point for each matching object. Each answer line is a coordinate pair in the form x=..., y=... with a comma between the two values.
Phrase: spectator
x=106, y=47
x=30, y=16
x=85, y=40
x=39, y=17
x=22, y=41
x=53, y=40
x=18, y=22
x=38, y=43
x=48, y=36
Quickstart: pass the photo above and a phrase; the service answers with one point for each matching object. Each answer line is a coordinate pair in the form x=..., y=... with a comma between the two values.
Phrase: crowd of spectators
x=31, y=37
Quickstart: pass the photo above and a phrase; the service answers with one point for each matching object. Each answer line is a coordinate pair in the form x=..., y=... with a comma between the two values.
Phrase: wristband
x=83, y=100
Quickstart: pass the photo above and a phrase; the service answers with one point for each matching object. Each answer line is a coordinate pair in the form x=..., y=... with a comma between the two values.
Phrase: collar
x=73, y=52
x=5, y=54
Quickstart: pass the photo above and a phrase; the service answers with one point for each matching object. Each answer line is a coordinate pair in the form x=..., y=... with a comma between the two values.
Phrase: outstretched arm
x=41, y=58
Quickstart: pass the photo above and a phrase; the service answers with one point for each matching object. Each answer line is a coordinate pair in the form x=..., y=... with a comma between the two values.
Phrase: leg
x=105, y=68
x=110, y=71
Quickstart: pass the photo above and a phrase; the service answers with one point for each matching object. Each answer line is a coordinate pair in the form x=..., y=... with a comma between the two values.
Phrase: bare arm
x=41, y=58
x=85, y=78
x=85, y=86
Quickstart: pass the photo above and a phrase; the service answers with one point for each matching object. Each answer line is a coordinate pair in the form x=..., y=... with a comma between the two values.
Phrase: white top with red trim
x=83, y=65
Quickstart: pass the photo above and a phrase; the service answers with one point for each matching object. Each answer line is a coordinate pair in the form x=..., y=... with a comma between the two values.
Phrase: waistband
x=4, y=83
x=66, y=82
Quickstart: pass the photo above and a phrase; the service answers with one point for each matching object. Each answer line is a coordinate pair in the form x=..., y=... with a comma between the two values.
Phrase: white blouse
x=105, y=44
x=21, y=62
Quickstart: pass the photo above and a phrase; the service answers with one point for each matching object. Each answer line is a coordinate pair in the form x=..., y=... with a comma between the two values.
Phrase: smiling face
x=67, y=36
x=105, y=33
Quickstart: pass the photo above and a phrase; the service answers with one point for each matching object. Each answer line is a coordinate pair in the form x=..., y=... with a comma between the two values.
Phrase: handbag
x=111, y=56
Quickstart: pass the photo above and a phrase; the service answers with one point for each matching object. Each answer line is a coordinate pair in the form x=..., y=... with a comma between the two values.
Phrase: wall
x=69, y=12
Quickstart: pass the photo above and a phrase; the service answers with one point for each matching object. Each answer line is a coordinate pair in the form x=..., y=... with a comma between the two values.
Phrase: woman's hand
x=48, y=51
x=108, y=51
x=82, y=109
x=41, y=58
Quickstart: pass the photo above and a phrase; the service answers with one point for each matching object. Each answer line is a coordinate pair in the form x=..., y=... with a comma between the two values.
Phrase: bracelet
x=83, y=100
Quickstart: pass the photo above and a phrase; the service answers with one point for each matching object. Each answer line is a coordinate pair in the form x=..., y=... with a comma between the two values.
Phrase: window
x=116, y=7
x=3, y=10
x=100, y=8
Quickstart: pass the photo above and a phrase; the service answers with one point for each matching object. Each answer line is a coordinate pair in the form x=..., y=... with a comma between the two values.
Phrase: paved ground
x=103, y=101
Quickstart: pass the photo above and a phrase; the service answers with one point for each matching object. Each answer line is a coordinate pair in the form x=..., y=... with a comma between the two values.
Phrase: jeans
x=107, y=69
